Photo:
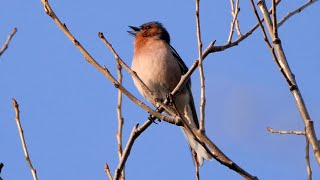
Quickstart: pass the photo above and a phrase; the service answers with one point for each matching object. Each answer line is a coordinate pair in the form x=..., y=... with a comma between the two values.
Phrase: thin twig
x=237, y=21
x=234, y=12
x=309, y=171
x=6, y=44
x=119, y=111
x=107, y=170
x=286, y=132
x=24, y=146
x=293, y=86
x=298, y=10
x=196, y=164
x=202, y=78
x=136, y=131
x=120, y=119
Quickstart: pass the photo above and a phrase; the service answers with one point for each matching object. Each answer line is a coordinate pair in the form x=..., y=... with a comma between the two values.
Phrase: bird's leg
x=151, y=117
x=170, y=99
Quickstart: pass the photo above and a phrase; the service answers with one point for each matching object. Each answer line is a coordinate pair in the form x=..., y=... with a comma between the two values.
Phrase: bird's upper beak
x=134, y=31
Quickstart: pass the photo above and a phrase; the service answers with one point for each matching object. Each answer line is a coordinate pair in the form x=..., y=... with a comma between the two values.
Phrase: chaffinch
x=160, y=67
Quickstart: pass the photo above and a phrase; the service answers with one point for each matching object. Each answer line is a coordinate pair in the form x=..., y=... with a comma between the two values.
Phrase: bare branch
x=219, y=156
x=298, y=10
x=136, y=131
x=202, y=78
x=309, y=171
x=120, y=119
x=213, y=49
x=286, y=132
x=6, y=44
x=24, y=146
x=288, y=75
x=107, y=170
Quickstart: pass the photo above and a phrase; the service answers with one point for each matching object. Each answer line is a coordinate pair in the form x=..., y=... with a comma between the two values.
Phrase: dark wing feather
x=184, y=70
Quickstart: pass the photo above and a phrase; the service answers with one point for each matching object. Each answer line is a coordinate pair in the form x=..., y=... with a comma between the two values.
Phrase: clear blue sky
x=68, y=107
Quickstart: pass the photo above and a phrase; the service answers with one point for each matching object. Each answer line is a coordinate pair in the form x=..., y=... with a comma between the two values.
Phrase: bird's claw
x=154, y=119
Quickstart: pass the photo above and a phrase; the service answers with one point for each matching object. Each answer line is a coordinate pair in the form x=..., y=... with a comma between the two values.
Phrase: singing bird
x=160, y=68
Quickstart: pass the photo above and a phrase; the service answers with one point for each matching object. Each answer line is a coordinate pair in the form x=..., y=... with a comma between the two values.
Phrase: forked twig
x=119, y=106
x=24, y=146
x=234, y=12
x=136, y=131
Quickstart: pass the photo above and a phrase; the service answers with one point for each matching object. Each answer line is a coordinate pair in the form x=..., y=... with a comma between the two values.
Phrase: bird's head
x=150, y=30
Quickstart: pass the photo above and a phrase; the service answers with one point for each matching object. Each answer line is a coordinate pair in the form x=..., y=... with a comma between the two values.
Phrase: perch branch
x=104, y=70
x=24, y=145
x=163, y=105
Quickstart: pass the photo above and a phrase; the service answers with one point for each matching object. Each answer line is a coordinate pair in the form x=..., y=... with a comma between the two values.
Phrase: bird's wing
x=184, y=70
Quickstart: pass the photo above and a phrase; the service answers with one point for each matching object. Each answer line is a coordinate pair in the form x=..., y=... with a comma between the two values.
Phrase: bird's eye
x=148, y=27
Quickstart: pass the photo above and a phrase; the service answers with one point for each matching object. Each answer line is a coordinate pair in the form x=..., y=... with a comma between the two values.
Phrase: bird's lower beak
x=135, y=30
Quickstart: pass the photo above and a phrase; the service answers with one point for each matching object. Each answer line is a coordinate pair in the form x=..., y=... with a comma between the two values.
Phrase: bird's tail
x=196, y=146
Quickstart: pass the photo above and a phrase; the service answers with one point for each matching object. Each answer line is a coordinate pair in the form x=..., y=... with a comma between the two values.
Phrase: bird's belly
x=158, y=74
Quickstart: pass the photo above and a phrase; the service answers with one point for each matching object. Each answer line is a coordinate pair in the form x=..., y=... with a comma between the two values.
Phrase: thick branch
x=24, y=145
x=291, y=80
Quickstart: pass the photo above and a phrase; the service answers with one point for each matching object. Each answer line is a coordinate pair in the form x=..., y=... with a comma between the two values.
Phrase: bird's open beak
x=135, y=30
